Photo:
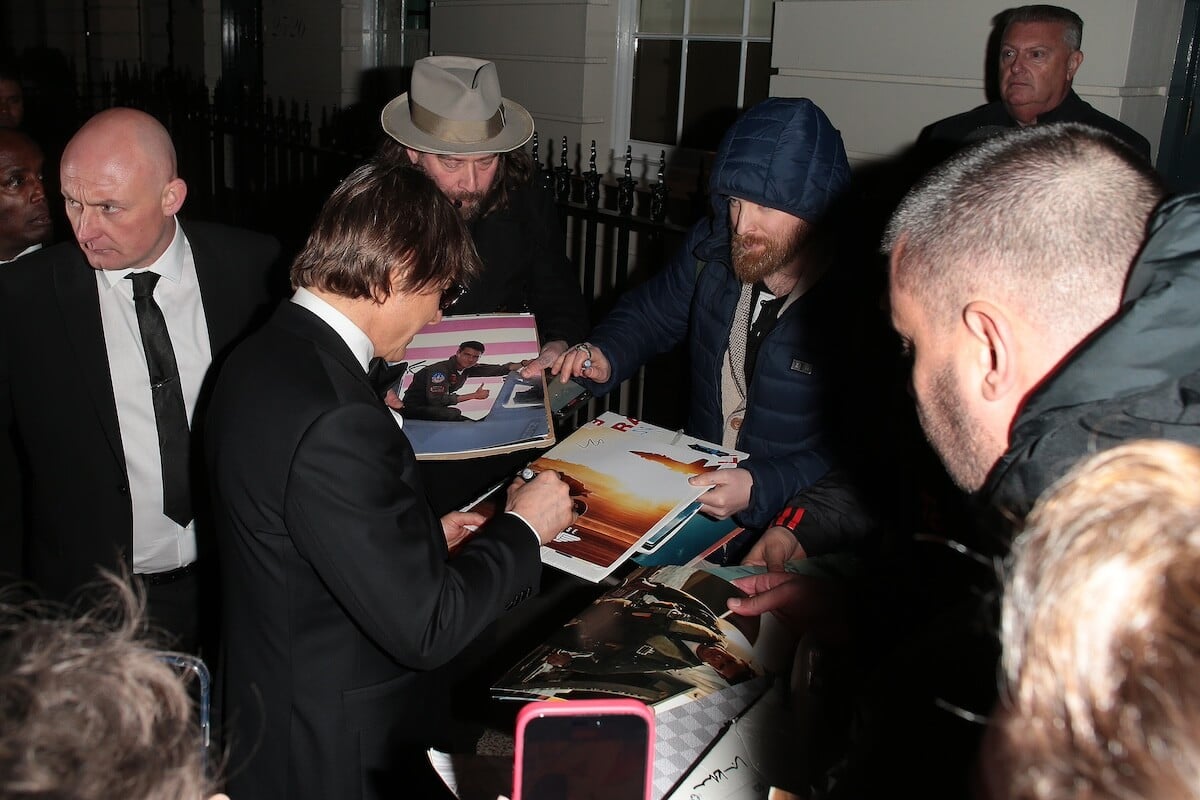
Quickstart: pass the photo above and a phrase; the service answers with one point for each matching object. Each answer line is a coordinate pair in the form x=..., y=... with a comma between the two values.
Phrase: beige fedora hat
x=454, y=107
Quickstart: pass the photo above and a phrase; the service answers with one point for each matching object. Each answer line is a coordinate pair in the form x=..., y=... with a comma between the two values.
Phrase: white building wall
x=883, y=69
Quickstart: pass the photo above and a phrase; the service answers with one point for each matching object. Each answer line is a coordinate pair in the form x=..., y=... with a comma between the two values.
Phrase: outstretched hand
x=550, y=353
x=774, y=549
x=805, y=603
x=730, y=493
x=584, y=360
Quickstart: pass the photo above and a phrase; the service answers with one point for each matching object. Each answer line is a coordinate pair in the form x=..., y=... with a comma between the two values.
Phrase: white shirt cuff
x=527, y=525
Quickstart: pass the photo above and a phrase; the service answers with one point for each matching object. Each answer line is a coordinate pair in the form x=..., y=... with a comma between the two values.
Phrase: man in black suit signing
x=341, y=594
x=106, y=346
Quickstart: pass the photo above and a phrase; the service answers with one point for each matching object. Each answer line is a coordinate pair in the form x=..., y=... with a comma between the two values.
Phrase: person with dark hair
x=1049, y=300
x=25, y=224
x=12, y=98
x=456, y=127
x=1039, y=56
x=141, y=305
x=434, y=390
x=341, y=599
x=91, y=711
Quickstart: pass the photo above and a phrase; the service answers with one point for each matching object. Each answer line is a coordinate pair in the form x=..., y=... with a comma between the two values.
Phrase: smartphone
x=569, y=749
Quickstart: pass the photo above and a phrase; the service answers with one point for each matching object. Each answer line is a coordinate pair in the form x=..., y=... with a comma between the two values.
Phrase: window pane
x=758, y=73
x=760, y=17
x=660, y=16
x=655, y=91
x=710, y=99
x=716, y=16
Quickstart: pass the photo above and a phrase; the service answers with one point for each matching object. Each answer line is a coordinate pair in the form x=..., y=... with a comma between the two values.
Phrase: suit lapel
x=215, y=289
x=79, y=302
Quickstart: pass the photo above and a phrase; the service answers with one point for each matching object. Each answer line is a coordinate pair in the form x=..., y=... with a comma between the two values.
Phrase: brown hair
x=89, y=712
x=1101, y=632
x=386, y=227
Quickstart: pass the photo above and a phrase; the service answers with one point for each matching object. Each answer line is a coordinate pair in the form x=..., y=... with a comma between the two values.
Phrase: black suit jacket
x=338, y=596
x=56, y=394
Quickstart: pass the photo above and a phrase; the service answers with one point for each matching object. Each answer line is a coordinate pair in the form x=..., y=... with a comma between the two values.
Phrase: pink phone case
x=583, y=709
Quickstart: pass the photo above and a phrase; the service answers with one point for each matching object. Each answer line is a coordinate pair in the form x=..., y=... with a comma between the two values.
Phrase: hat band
x=454, y=130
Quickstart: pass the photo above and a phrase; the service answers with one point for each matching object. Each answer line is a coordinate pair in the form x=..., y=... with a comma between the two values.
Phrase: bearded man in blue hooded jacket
x=760, y=303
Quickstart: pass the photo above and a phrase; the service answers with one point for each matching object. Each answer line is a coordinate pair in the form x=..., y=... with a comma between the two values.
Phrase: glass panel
x=716, y=16
x=758, y=73
x=760, y=17
x=660, y=16
x=655, y=91
x=710, y=99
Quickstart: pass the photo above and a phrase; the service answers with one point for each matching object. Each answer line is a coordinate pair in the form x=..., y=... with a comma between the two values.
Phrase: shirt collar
x=169, y=264
x=33, y=248
x=358, y=342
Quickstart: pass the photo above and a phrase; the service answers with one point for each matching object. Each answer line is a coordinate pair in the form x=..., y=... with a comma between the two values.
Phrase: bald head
x=121, y=188
x=1041, y=219
x=125, y=135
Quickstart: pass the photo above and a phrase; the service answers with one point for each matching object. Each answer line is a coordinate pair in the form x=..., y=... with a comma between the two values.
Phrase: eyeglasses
x=451, y=295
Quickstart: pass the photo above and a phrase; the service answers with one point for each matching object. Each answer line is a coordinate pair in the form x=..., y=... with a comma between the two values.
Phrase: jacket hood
x=782, y=153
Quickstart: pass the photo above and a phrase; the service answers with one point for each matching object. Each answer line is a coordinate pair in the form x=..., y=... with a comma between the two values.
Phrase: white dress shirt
x=33, y=248
x=159, y=543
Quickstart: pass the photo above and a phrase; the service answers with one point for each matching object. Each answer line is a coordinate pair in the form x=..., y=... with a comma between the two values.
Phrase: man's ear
x=995, y=348
x=173, y=195
x=1073, y=62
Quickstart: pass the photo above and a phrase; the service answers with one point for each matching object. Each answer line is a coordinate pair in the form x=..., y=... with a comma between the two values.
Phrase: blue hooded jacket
x=783, y=153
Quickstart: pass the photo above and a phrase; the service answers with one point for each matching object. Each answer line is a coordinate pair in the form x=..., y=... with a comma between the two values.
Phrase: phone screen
x=579, y=757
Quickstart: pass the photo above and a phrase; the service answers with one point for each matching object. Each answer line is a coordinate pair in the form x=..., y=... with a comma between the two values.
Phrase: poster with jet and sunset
x=625, y=486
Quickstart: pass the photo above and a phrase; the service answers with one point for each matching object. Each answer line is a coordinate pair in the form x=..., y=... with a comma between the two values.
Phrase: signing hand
x=479, y=394
x=730, y=493
x=584, y=360
x=773, y=549
x=544, y=502
x=459, y=525
x=546, y=358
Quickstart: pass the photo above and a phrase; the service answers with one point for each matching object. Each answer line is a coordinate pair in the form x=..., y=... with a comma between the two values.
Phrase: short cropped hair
x=471, y=344
x=1101, y=632
x=88, y=711
x=1072, y=23
x=381, y=218
x=1048, y=217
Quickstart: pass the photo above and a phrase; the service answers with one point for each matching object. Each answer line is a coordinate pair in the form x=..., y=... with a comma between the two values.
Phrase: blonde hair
x=1101, y=632
x=89, y=710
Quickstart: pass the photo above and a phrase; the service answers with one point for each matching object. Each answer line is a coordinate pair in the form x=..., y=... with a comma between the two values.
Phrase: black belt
x=170, y=576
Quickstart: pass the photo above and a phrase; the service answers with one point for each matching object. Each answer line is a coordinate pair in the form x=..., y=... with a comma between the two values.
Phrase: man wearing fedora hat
x=455, y=125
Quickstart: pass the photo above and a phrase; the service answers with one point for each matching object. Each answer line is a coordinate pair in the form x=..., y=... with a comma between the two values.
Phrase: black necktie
x=170, y=414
